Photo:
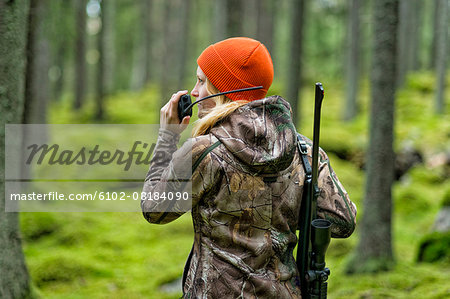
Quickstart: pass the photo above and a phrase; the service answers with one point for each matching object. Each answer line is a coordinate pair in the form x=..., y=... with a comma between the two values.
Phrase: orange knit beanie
x=235, y=63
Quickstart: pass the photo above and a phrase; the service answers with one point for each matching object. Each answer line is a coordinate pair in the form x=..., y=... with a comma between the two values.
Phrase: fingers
x=172, y=105
x=169, y=113
x=176, y=96
x=173, y=100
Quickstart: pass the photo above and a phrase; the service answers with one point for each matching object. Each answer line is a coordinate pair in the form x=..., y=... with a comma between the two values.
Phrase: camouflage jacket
x=246, y=196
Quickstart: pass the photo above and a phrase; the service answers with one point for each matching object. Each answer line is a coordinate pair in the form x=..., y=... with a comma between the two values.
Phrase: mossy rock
x=421, y=81
x=59, y=269
x=423, y=174
x=435, y=247
x=37, y=225
x=411, y=200
x=446, y=199
x=72, y=237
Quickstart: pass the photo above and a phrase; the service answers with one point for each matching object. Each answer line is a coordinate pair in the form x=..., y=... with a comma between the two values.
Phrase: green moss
x=435, y=247
x=425, y=175
x=37, y=225
x=411, y=200
x=59, y=269
x=71, y=237
x=126, y=108
x=421, y=81
x=446, y=199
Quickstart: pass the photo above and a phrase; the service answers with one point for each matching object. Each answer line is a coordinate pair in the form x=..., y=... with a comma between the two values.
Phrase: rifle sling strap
x=301, y=144
x=204, y=154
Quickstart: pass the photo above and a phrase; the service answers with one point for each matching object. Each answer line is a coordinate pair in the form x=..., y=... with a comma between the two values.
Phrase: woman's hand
x=169, y=115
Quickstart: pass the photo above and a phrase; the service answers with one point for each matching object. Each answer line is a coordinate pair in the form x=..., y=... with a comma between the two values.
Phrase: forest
x=71, y=68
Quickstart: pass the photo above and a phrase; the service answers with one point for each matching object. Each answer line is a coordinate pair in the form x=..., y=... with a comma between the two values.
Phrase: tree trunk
x=14, y=278
x=220, y=20
x=409, y=33
x=353, y=62
x=147, y=10
x=37, y=83
x=142, y=47
x=416, y=38
x=234, y=18
x=403, y=34
x=374, y=251
x=441, y=55
x=59, y=68
x=164, y=85
x=100, y=92
x=61, y=45
x=108, y=29
x=80, y=53
x=250, y=22
x=294, y=68
x=436, y=9
x=183, y=39
x=266, y=16
x=36, y=79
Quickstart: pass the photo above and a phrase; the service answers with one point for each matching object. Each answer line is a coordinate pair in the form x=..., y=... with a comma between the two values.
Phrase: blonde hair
x=224, y=107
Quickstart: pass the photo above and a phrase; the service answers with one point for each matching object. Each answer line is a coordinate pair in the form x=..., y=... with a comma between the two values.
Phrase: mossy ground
x=120, y=255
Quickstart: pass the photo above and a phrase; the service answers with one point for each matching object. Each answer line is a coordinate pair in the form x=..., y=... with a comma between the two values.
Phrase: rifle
x=315, y=234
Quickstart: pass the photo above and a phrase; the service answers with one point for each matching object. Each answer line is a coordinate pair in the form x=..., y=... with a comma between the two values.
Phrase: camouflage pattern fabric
x=246, y=196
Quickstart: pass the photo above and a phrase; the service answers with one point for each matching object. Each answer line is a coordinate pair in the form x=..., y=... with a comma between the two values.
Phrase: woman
x=247, y=179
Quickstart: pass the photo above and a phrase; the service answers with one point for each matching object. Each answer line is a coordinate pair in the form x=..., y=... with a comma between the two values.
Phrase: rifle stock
x=315, y=233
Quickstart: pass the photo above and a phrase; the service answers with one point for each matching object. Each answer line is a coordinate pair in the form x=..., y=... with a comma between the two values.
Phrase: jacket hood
x=260, y=134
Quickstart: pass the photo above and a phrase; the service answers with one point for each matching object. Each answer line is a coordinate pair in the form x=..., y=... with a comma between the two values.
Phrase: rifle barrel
x=317, y=109
x=309, y=200
x=315, y=150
